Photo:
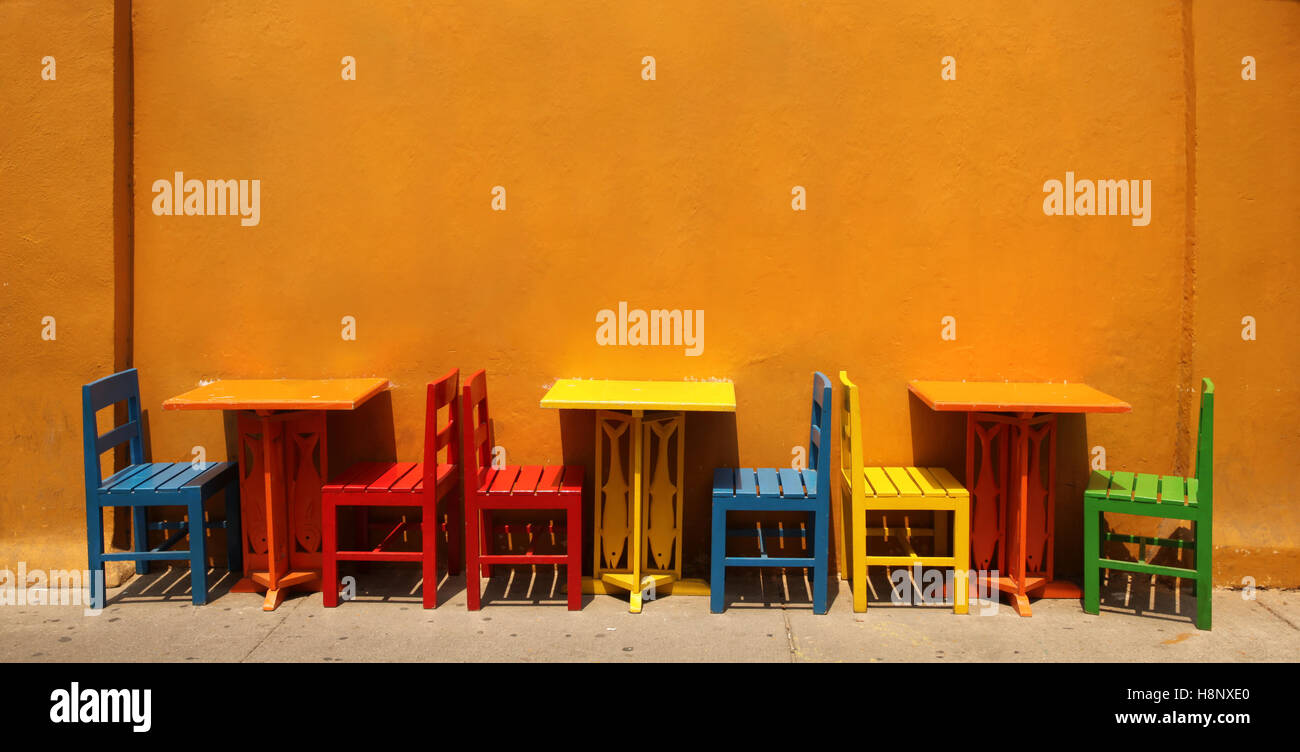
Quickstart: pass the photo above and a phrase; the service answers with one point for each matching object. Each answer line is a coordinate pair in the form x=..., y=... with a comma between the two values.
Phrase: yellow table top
x=600, y=394
x=278, y=394
x=1004, y=396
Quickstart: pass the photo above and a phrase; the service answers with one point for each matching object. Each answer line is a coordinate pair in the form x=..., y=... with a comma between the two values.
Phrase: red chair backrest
x=477, y=428
x=442, y=393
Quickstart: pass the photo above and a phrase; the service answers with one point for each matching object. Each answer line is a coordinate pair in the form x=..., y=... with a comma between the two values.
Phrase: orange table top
x=278, y=394
x=1009, y=396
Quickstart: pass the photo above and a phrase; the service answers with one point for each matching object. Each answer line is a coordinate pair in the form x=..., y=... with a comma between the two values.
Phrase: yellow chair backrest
x=852, y=492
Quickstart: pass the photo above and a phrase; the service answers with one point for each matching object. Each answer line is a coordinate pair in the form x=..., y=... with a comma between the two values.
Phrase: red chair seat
x=533, y=479
x=385, y=477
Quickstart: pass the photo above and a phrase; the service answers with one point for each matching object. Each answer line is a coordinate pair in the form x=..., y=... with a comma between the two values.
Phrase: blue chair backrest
x=819, y=452
x=97, y=395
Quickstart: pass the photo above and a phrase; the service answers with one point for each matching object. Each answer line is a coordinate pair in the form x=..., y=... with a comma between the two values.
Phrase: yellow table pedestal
x=637, y=523
x=640, y=465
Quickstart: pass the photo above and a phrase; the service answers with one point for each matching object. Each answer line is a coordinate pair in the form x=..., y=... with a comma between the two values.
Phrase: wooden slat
x=1146, y=488
x=746, y=482
x=175, y=469
x=124, y=432
x=347, y=476
x=123, y=475
x=791, y=483
x=1171, y=490
x=136, y=480
x=768, y=485
x=181, y=480
x=951, y=486
x=550, y=479
x=724, y=482
x=902, y=481
x=526, y=482
x=810, y=481
x=879, y=482
x=1098, y=483
x=1121, y=486
x=394, y=473
x=924, y=481
x=1193, y=488
x=504, y=481
x=572, y=482
x=369, y=473
x=412, y=480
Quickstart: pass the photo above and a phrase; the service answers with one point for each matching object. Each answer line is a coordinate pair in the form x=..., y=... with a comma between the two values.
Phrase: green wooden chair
x=1167, y=496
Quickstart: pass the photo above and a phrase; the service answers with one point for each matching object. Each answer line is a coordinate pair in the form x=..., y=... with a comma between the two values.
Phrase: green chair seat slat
x=1193, y=486
x=1098, y=483
x=1121, y=486
x=1147, y=488
x=1172, y=490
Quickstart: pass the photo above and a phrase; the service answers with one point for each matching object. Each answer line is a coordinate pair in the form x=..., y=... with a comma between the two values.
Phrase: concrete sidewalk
x=151, y=619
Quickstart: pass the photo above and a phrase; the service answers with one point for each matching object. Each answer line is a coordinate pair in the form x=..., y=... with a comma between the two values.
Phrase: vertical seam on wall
x=124, y=162
x=1187, y=315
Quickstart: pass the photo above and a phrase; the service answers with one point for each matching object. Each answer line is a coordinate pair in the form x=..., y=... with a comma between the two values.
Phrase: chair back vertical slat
x=851, y=448
x=1205, y=446
x=445, y=392
x=476, y=446
x=818, y=453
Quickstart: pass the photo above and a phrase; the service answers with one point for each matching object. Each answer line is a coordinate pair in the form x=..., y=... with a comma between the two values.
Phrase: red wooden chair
x=402, y=484
x=554, y=487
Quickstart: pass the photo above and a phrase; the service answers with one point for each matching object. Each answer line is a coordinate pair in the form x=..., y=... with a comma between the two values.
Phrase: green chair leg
x=1091, y=550
x=1204, y=573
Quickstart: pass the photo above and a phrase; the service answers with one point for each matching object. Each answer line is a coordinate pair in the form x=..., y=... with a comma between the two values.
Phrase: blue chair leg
x=234, y=529
x=95, y=552
x=140, y=535
x=198, y=554
x=718, y=566
x=820, y=554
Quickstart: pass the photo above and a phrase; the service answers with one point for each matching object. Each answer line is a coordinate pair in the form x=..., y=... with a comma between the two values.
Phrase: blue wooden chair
x=142, y=484
x=778, y=490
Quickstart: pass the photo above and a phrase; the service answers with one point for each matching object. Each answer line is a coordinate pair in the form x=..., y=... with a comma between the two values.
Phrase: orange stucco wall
x=62, y=200
x=924, y=200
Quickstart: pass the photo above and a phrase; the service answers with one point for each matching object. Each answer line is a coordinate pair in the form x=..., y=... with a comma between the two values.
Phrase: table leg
x=636, y=527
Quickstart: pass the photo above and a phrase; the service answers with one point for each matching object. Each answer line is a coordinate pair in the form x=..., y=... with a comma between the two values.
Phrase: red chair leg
x=574, y=565
x=429, y=553
x=489, y=537
x=329, y=547
x=472, y=523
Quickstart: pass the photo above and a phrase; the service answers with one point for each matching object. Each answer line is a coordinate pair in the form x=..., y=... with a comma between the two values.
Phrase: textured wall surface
x=56, y=259
x=924, y=200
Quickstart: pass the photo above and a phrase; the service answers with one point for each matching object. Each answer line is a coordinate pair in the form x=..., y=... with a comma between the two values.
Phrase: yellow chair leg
x=961, y=554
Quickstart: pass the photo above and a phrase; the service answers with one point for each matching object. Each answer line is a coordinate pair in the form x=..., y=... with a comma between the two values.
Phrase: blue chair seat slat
x=153, y=484
x=130, y=484
x=792, y=484
x=124, y=475
x=724, y=482
x=768, y=484
x=810, y=481
x=746, y=484
x=184, y=478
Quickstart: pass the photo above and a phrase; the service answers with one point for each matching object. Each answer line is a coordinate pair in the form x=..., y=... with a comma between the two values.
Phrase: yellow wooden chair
x=886, y=489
